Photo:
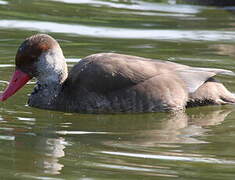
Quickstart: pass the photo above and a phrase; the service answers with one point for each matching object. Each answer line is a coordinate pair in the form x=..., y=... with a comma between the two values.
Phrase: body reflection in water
x=46, y=147
x=54, y=149
x=40, y=154
x=181, y=128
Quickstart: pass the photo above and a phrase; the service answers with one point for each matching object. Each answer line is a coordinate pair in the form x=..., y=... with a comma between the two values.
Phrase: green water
x=41, y=144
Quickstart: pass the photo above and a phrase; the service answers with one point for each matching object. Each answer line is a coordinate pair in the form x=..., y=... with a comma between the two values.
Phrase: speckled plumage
x=114, y=83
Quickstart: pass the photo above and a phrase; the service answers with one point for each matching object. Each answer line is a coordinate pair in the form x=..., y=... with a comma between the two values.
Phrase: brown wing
x=107, y=72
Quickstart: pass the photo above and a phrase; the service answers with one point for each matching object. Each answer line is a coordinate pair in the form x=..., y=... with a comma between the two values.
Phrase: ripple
x=8, y=138
x=78, y=132
x=37, y=177
x=6, y=129
x=3, y=2
x=26, y=119
x=140, y=5
x=124, y=167
x=157, y=172
x=158, y=14
x=124, y=33
x=6, y=65
x=4, y=82
x=172, y=158
x=194, y=59
x=72, y=60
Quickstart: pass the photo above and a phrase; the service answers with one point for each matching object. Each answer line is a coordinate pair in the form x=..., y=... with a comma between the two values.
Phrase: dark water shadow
x=41, y=139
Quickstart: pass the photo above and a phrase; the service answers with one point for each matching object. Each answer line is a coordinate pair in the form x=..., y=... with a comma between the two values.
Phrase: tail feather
x=211, y=92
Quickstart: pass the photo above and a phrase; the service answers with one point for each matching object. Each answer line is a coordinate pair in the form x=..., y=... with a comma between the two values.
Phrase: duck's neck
x=51, y=73
x=52, y=67
x=45, y=95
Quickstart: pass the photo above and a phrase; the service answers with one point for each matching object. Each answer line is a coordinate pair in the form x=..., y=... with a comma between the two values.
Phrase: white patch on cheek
x=51, y=65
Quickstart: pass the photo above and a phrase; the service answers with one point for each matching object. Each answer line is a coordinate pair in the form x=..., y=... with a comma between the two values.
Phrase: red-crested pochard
x=110, y=82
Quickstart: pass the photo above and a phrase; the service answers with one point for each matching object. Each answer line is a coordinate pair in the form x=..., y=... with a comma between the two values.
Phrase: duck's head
x=38, y=56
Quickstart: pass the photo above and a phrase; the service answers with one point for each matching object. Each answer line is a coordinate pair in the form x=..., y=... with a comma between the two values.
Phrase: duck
x=111, y=82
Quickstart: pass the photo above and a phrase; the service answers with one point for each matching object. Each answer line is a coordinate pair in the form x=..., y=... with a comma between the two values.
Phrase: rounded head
x=31, y=49
x=38, y=56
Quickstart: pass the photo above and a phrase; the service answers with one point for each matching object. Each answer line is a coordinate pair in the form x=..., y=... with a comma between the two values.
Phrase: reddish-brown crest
x=31, y=49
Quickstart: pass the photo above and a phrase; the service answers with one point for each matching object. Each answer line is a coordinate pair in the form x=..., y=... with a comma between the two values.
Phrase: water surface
x=42, y=144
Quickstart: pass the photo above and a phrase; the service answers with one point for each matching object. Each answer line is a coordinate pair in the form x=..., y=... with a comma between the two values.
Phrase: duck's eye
x=21, y=49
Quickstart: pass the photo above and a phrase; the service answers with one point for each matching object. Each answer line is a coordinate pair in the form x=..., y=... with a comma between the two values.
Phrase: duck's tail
x=211, y=92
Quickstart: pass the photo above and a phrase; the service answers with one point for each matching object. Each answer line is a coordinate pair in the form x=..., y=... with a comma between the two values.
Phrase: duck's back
x=110, y=82
x=106, y=72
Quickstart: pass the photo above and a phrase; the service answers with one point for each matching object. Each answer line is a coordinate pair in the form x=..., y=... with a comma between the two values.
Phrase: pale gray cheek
x=44, y=69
